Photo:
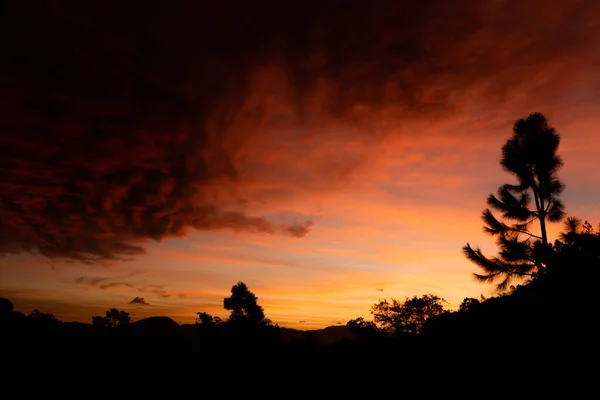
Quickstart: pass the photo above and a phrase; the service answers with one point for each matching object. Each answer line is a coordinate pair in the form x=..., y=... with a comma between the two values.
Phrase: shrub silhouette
x=113, y=318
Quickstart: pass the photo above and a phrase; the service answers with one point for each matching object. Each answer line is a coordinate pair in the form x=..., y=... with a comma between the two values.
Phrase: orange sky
x=328, y=179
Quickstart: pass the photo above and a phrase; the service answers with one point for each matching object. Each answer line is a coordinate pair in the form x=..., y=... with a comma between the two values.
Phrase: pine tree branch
x=526, y=233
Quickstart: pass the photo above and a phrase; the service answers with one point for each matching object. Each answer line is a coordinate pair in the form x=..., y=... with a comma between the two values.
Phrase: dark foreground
x=476, y=353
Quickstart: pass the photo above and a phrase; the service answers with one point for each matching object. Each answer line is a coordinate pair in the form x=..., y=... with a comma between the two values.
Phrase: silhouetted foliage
x=362, y=328
x=408, y=316
x=42, y=317
x=579, y=244
x=207, y=319
x=244, y=307
x=6, y=307
x=530, y=155
x=113, y=317
x=468, y=304
x=245, y=331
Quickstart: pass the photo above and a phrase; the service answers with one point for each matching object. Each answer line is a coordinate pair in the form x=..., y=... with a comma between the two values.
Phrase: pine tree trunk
x=539, y=205
x=543, y=228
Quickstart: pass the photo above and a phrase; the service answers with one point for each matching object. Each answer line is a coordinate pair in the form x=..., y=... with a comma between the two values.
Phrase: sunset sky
x=328, y=154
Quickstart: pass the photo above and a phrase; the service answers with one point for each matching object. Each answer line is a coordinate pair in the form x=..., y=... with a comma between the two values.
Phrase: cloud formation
x=124, y=125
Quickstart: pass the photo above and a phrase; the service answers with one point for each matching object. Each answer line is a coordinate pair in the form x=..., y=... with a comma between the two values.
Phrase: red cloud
x=119, y=123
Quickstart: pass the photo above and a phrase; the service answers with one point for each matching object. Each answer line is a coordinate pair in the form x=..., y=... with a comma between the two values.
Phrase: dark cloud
x=116, y=126
x=139, y=300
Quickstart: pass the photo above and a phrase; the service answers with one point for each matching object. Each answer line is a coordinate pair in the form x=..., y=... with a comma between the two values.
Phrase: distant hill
x=324, y=336
x=155, y=326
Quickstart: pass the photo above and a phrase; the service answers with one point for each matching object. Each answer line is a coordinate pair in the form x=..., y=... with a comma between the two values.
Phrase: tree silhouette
x=42, y=317
x=578, y=245
x=408, y=316
x=112, y=318
x=530, y=155
x=207, y=319
x=362, y=328
x=243, y=306
x=7, y=313
x=6, y=307
x=468, y=304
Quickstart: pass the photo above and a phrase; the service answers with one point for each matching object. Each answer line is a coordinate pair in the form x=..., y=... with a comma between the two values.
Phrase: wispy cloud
x=105, y=283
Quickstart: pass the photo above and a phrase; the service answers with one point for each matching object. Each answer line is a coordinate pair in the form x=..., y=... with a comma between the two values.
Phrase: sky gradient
x=326, y=157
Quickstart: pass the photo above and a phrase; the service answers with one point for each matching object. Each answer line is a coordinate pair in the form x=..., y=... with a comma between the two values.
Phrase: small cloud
x=139, y=300
x=301, y=322
x=298, y=229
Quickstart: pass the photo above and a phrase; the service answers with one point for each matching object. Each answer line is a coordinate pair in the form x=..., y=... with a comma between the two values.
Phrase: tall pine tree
x=529, y=155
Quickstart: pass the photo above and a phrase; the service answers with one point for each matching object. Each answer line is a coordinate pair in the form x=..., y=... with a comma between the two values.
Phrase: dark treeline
x=543, y=315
